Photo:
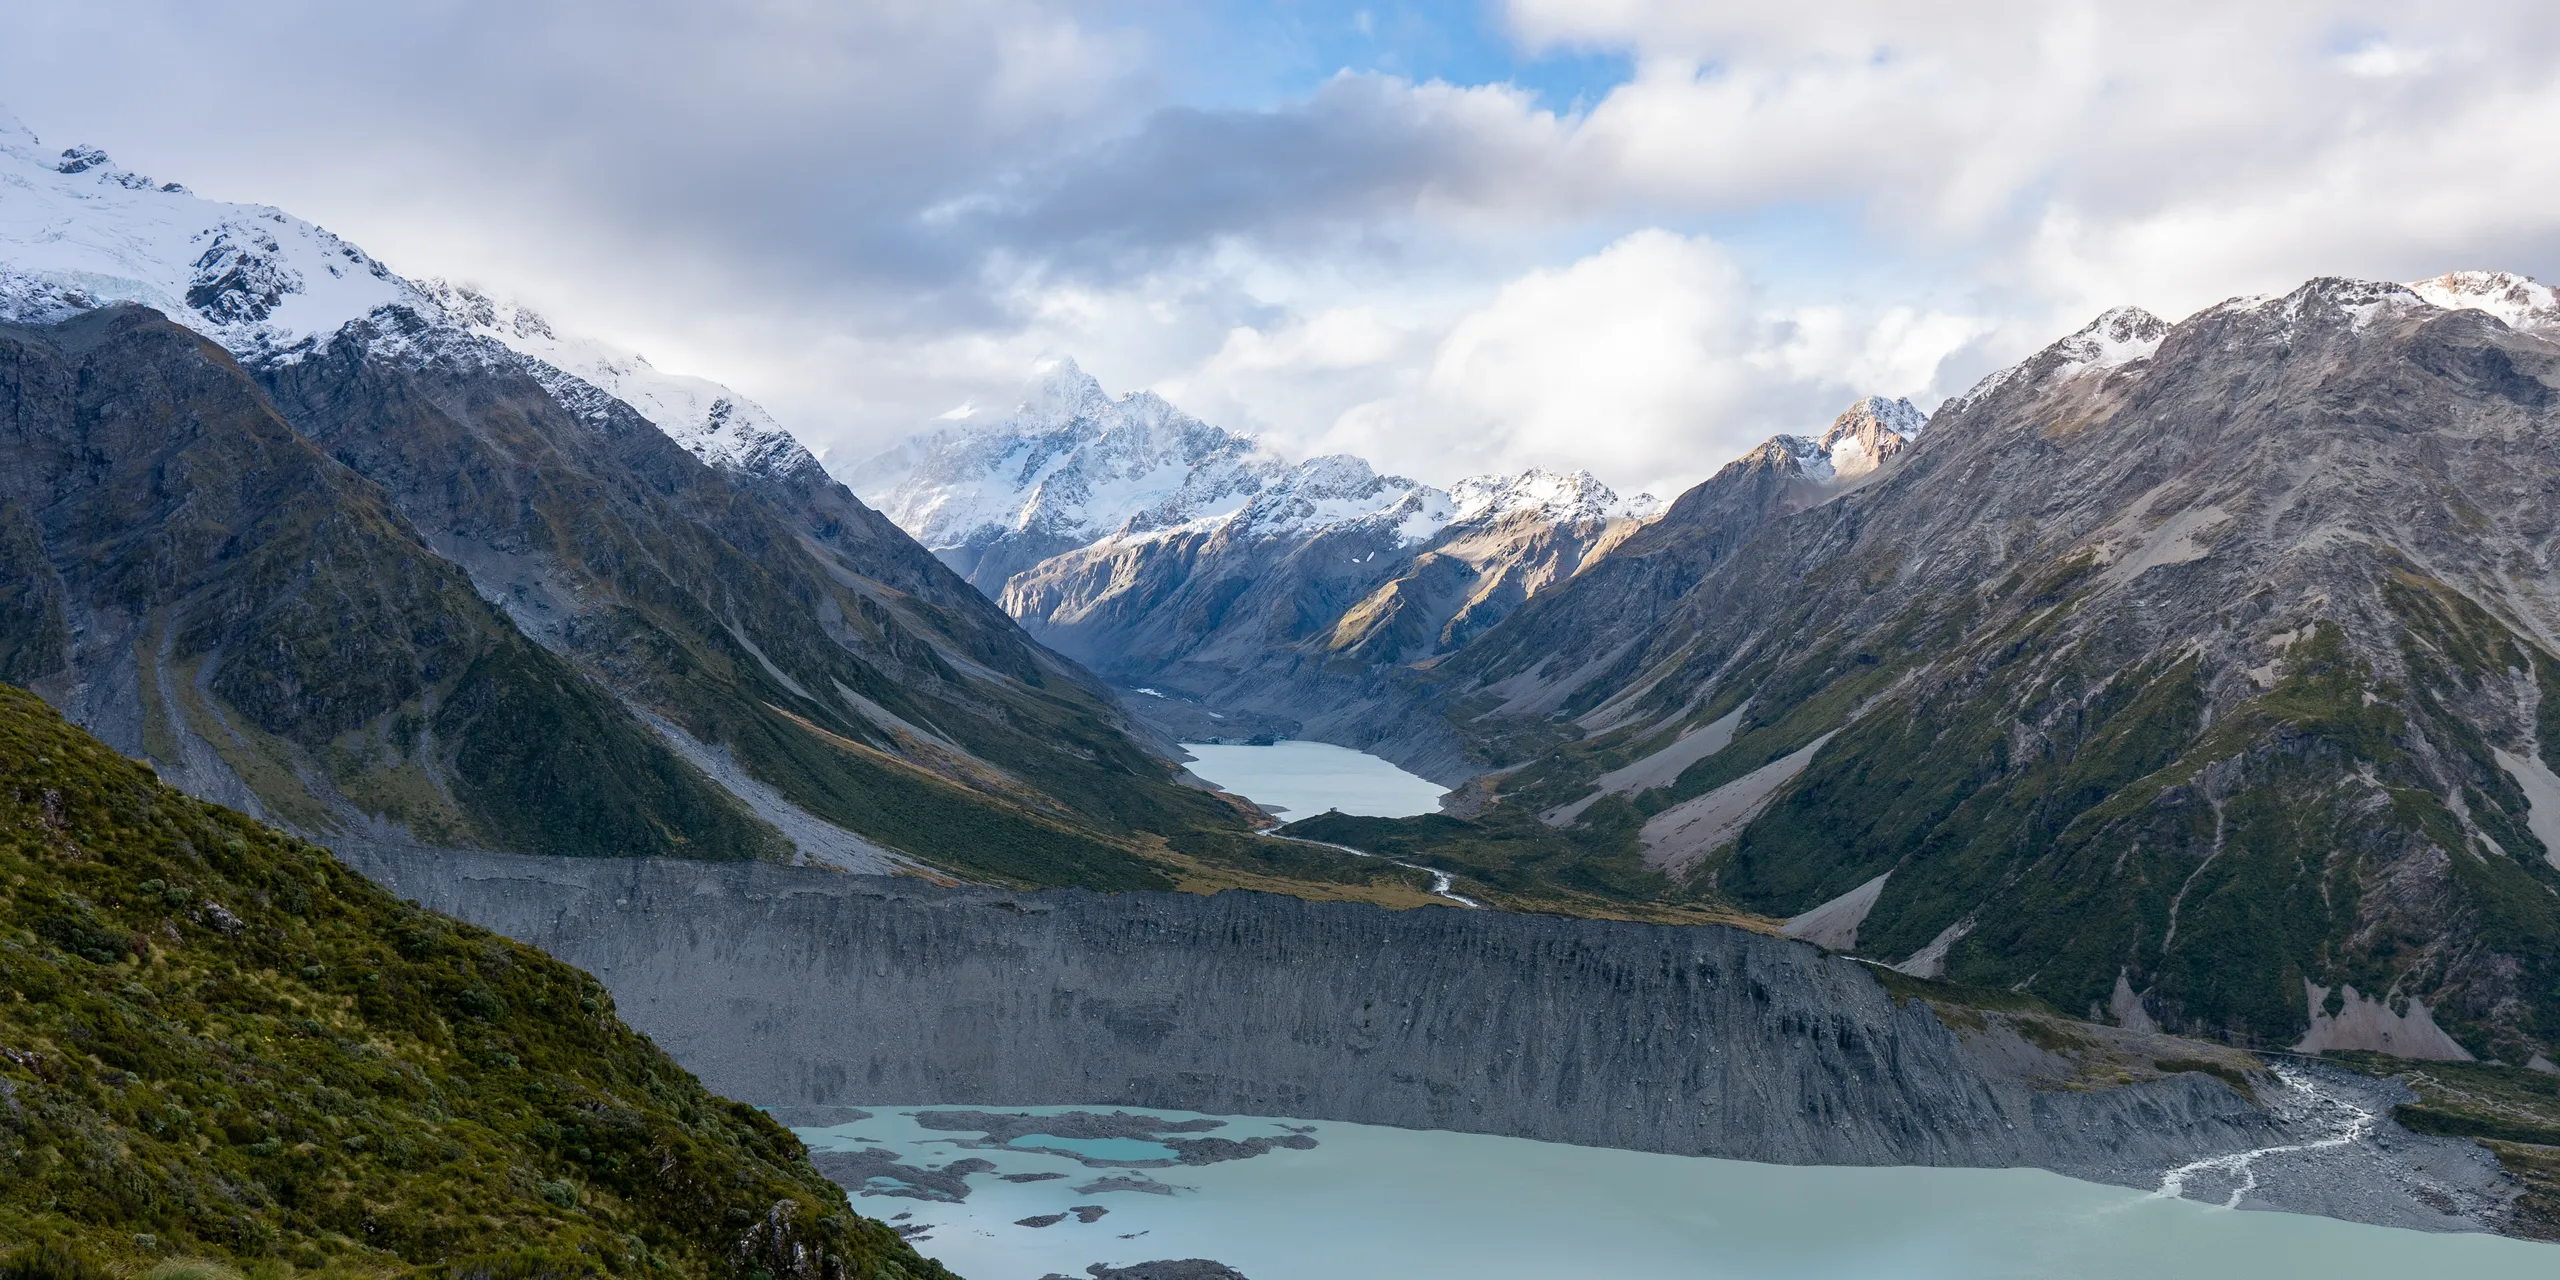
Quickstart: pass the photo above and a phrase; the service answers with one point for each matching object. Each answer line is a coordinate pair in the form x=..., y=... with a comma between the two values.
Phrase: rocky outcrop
x=790, y=986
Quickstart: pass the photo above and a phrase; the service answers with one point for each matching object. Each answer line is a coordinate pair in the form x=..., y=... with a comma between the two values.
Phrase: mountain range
x=2201, y=676
x=2194, y=676
x=394, y=564
x=1246, y=596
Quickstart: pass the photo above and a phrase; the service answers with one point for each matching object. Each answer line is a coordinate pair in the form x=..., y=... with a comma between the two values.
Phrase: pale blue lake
x=1390, y=1204
x=1302, y=779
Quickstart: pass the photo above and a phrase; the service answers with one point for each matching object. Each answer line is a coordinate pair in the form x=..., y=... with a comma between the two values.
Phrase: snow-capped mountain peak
x=1898, y=416
x=2522, y=302
x=1555, y=496
x=79, y=231
x=2118, y=337
x=1059, y=392
x=1320, y=492
x=715, y=423
x=1070, y=464
x=1856, y=444
x=1863, y=438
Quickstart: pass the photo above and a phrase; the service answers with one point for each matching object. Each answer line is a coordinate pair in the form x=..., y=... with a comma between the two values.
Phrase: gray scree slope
x=800, y=986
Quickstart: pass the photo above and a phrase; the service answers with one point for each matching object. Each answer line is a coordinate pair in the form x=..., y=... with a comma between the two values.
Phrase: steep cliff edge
x=794, y=986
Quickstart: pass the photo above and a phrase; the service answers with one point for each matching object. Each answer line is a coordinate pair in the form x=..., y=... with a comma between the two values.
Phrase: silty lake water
x=1366, y=1201
x=1302, y=779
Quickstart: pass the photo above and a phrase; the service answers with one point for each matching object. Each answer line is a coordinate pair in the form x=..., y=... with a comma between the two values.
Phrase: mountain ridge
x=2027, y=708
x=1180, y=558
x=762, y=651
x=1073, y=467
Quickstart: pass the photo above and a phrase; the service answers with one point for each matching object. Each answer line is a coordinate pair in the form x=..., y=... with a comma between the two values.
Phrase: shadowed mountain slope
x=393, y=590
x=198, y=581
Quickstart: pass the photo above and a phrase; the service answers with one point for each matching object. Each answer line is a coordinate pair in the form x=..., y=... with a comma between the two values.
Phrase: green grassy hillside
x=217, y=1043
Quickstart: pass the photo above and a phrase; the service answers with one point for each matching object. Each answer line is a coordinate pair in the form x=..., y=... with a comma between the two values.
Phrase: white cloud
x=1651, y=362
x=867, y=214
x=1618, y=359
x=2376, y=60
x=2185, y=150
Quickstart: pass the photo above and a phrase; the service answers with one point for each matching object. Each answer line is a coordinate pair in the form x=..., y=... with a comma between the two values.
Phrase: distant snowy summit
x=1072, y=466
x=2520, y=302
x=2126, y=337
x=715, y=423
x=79, y=231
x=1862, y=439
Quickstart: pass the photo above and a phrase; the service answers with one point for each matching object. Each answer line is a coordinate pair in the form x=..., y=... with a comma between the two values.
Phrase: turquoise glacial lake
x=1302, y=779
x=1391, y=1204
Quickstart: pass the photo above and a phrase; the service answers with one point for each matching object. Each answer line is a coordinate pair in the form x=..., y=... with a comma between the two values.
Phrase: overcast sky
x=1636, y=236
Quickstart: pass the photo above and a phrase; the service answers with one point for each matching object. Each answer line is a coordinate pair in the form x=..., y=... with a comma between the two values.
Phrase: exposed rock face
x=834, y=990
x=792, y=986
x=2212, y=659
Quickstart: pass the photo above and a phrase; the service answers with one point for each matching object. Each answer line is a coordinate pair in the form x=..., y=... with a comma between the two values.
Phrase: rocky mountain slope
x=217, y=1044
x=159, y=517
x=1173, y=556
x=356, y=554
x=2199, y=675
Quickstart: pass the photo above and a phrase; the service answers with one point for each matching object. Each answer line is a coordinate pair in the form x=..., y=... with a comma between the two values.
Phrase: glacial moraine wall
x=788, y=985
x=785, y=985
